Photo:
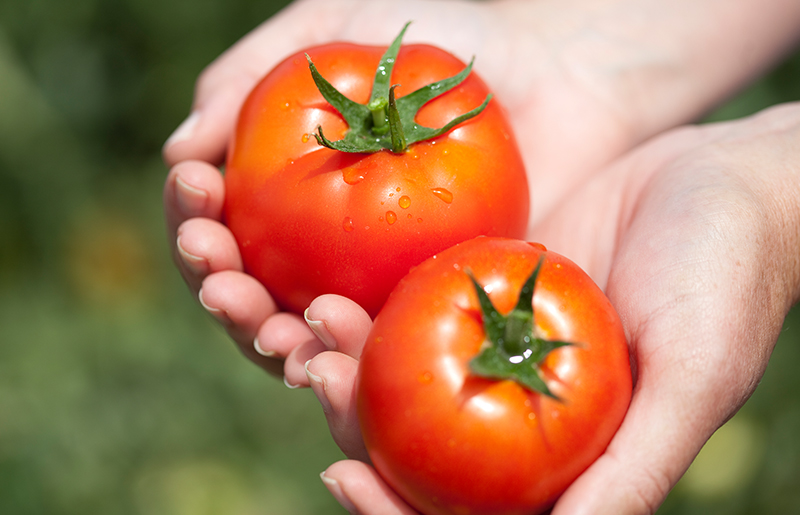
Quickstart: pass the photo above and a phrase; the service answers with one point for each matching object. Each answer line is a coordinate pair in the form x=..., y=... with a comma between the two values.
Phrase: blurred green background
x=117, y=394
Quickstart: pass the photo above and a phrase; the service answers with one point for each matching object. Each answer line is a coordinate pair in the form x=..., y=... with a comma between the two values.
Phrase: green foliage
x=117, y=395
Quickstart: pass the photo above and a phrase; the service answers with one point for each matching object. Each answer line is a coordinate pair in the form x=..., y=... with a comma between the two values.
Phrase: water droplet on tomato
x=404, y=201
x=352, y=176
x=305, y=138
x=419, y=220
x=391, y=217
x=284, y=106
x=443, y=194
x=347, y=224
x=425, y=377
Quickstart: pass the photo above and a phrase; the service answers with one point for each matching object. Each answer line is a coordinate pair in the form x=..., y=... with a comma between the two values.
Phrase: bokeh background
x=117, y=394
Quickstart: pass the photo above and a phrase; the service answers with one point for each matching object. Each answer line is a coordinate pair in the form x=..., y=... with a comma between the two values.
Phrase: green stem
x=386, y=123
x=511, y=350
x=380, y=119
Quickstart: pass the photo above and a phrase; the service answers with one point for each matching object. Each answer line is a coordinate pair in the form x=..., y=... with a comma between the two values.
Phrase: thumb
x=651, y=451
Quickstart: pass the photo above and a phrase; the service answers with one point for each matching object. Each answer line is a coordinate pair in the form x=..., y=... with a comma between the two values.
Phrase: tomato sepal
x=386, y=122
x=512, y=350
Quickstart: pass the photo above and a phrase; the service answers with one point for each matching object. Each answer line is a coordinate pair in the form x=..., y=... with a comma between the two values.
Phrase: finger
x=360, y=490
x=193, y=189
x=650, y=452
x=340, y=323
x=241, y=304
x=196, y=190
x=280, y=334
x=204, y=247
x=294, y=367
x=332, y=376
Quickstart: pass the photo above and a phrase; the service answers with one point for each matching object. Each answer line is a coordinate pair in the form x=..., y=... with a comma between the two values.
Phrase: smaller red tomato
x=495, y=374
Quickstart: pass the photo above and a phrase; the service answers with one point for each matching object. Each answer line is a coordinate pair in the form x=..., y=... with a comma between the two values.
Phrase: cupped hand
x=582, y=83
x=555, y=67
x=695, y=237
x=205, y=250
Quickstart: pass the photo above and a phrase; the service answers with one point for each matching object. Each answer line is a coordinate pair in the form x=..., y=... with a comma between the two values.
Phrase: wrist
x=661, y=63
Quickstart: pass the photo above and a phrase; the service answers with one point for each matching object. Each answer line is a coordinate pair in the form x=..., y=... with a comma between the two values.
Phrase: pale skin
x=693, y=232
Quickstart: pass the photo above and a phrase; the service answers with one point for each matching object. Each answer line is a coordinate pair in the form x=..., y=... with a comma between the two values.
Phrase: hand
x=582, y=86
x=695, y=236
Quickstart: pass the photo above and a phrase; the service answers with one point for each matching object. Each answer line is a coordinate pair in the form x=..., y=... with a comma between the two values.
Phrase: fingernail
x=318, y=385
x=335, y=489
x=220, y=314
x=260, y=350
x=320, y=329
x=196, y=264
x=185, y=130
x=190, y=199
x=290, y=386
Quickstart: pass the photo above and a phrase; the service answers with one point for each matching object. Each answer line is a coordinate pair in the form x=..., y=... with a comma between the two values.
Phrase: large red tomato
x=311, y=220
x=492, y=399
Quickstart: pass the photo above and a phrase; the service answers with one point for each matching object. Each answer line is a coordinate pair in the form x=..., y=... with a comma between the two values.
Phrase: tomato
x=311, y=220
x=451, y=439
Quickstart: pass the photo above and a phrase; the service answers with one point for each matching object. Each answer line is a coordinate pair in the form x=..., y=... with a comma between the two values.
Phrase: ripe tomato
x=451, y=441
x=311, y=220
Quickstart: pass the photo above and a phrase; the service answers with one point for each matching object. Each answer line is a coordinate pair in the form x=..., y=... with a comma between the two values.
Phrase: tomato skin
x=452, y=443
x=310, y=220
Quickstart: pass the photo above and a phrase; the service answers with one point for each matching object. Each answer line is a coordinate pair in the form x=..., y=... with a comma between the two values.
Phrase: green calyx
x=511, y=350
x=387, y=122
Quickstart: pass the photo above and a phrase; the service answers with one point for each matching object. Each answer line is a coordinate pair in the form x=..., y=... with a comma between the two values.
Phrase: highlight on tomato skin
x=451, y=439
x=311, y=220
